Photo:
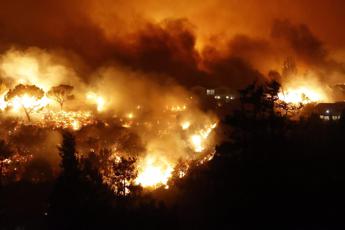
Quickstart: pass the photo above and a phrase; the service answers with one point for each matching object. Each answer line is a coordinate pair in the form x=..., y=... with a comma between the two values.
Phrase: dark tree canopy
x=69, y=162
x=22, y=91
x=61, y=93
x=124, y=173
x=260, y=99
x=5, y=150
x=119, y=172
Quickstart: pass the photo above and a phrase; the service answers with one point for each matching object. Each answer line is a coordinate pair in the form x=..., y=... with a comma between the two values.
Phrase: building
x=221, y=95
x=329, y=111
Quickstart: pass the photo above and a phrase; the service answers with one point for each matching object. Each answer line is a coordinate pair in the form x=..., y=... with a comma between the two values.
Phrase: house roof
x=330, y=108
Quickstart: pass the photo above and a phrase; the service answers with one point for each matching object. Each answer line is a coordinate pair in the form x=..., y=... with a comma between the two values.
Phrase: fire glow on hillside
x=303, y=95
x=170, y=126
x=303, y=90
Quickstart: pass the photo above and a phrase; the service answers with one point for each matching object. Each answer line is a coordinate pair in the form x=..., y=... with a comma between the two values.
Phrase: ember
x=167, y=136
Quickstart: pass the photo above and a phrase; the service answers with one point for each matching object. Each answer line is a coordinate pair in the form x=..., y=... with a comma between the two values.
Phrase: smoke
x=165, y=48
x=41, y=143
x=227, y=69
x=301, y=40
x=125, y=89
x=36, y=66
x=138, y=96
x=126, y=111
x=176, y=40
x=306, y=46
x=51, y=25
x=132, y=64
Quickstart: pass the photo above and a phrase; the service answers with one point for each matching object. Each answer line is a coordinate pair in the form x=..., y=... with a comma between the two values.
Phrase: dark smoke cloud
x=301, y=40
x=245, y=46
x=139, y=36
x=229, y=70
x=166, y=48
x=306, y=46
x=259, y=52
x=52, y=24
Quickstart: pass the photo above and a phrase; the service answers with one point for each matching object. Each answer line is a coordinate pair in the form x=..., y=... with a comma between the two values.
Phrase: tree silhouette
x=250, y=99
x=124, y=174
x=259, y=99
x=118, y=172
x=24, y=93
x=69, y=162
x=5, y=152
x=79, y=197
x=68, y=193
x=61, y=93
x=288, y=109
x=271, y=95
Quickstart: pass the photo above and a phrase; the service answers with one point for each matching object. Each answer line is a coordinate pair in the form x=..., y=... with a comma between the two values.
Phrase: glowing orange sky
x=199, y=36
x=231, y=17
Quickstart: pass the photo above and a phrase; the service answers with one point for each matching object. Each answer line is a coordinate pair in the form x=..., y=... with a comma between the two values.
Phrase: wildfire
x=130, y=115
x=303, y=90
x=302, y=95
x=98, y=100
x=198, y=140
x=185, y=125
x=176, y=108
x=75, y=125
x=14, y=165
x=172, y=129
x=28, y=102
x=67, y=120
x=154, y=172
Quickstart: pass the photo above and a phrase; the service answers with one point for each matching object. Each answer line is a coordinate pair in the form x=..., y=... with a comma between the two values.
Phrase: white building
x=330, y=111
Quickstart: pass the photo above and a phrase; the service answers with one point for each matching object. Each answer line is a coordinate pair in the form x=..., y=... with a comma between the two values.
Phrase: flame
x=177, y=108
x=154, y=172
x=130, y=115
x=170, y=127
x=185, y=125
x=98, y=100
x=303, y=89
x=28, y=102
x=198, y=140
x=302, y=95
x=66, y=120
x=76, y=125
x=33, y=67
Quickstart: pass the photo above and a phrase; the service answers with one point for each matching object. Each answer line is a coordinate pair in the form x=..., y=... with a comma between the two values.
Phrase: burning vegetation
x=120, y=118
x=170, y=114
x=144, y=129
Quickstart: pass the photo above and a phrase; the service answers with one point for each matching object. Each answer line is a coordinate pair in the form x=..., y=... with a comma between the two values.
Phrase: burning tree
x=26, y=96
x=289, y=108
x=61, y=93
x=117, y=172
x=272, y=89
x=124, y=173
x=5, y=152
